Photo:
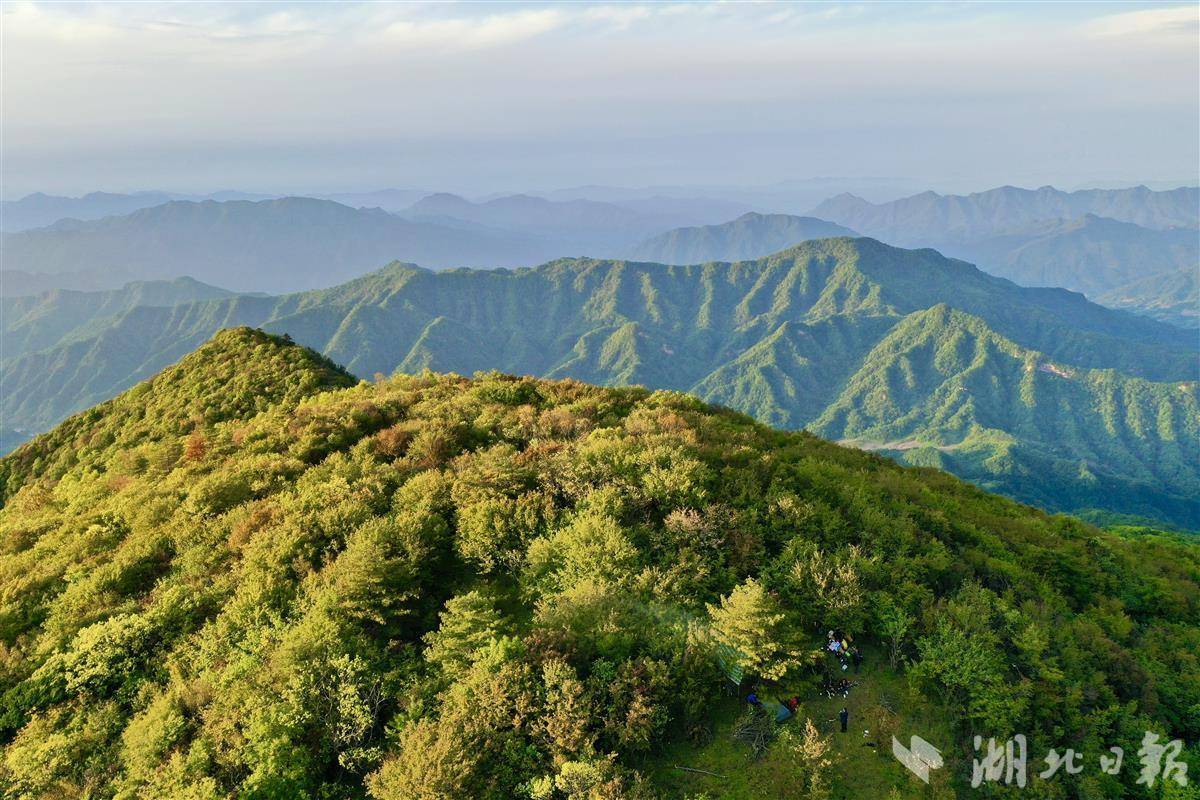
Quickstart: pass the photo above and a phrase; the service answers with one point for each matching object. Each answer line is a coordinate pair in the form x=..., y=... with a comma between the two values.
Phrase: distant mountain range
x=930, y=219
x=793, y=196
x=393, y=200
x=1102, y=242
x=296, y=243
x=1000, y=231
x=1092, y=254
x=39, y=210
x=580, y=227
x=1092, y=241
x=749, y=236
x=1033, y=392
x=19, y=283
x=271, y=245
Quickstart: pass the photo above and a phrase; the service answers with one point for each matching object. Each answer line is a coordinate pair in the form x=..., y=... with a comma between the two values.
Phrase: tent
x=731, y=663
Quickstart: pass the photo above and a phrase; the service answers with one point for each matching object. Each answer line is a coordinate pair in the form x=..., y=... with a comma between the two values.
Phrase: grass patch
x=881, y=705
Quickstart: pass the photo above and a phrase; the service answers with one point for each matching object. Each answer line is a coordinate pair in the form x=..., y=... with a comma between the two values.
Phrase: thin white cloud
x=620, y=17
x=221, y=26
x=1174, y=22
x=469, y=33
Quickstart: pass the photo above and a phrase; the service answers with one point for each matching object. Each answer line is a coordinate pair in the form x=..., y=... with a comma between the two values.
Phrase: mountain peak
x=442, y=198
x=236, y=374
x=847, y=197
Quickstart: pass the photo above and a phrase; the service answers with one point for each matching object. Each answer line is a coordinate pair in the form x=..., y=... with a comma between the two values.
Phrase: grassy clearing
x=859, y=770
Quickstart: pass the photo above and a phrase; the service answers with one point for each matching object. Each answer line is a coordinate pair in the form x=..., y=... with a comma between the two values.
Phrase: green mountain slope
x=778, y=337
x=1172, y=297
x=44, y=320
x=749, y=236
x=250, y=578
x=943, y=389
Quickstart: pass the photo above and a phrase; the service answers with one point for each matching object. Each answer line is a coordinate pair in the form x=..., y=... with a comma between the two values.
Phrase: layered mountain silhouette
x=296, y=243
x=1134, y=249
x=1000, y=231
x=271, y=245
x=1092, y=254
x=1034, y=392
x=751, y=235
x=38, y=210
x=929, y=218
x=577, y=226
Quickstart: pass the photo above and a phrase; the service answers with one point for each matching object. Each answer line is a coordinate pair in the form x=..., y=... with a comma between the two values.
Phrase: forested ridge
x=1041, y=394
x=256, y=577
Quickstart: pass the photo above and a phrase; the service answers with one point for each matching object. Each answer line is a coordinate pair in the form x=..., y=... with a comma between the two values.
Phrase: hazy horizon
x=478, y=99
x=881, y=194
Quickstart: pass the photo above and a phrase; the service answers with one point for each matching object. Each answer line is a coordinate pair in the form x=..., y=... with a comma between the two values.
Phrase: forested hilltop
x=1035, y=393
x=254, y=577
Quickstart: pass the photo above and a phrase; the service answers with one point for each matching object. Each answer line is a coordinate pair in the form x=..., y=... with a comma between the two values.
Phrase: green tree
x=894, y=624
x=469, y=623
x=750, y=621
x=808, y=753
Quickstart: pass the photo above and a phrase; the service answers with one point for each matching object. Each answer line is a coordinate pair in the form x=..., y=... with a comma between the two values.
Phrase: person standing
x=856, y=657
x=844, y=718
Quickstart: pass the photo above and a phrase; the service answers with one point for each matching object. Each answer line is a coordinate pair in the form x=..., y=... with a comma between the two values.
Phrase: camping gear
x=731, y=663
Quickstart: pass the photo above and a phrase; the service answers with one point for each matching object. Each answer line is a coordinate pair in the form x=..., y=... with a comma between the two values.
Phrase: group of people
x=834, y=687
x=842, y=646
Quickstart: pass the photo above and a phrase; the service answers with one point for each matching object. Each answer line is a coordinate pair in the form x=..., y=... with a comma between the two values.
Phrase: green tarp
x=731, y=663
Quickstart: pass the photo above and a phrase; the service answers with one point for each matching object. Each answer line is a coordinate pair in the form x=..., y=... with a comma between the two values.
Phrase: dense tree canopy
x=438, y=587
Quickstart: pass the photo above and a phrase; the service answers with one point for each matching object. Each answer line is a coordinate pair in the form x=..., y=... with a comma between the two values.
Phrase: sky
x=485, y=97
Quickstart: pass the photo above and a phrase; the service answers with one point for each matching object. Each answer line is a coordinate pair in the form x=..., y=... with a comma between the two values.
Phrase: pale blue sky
x=505, y=96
